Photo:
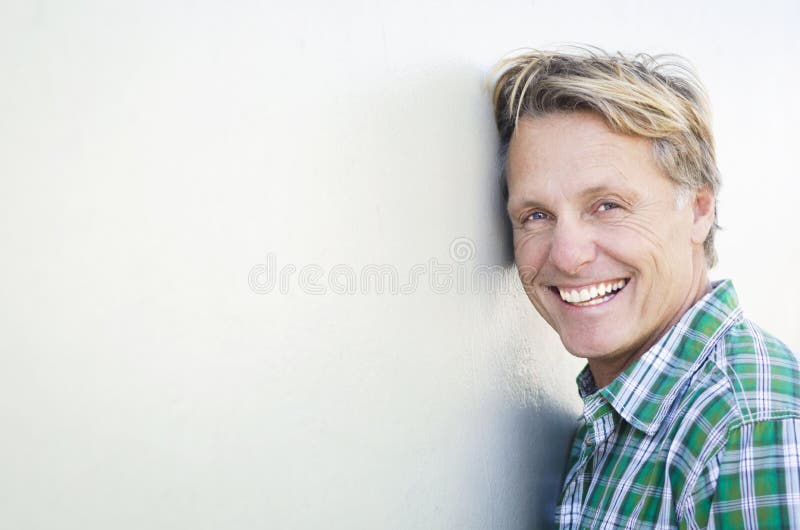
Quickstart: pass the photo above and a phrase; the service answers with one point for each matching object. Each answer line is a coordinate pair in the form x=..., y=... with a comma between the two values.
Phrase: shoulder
x=746, y=395
x=748, y=376
x=761, y=373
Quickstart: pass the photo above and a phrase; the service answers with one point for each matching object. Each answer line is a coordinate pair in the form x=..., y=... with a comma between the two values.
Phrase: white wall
x=154, y=153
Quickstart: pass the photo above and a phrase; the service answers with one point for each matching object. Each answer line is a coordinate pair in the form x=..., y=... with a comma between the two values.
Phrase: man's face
x=605, y=251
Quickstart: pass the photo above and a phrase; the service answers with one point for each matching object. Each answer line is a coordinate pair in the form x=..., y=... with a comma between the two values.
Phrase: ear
x=703, y=207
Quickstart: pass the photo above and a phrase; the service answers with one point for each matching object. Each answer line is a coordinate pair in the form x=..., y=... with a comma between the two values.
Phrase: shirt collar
x=643, y=394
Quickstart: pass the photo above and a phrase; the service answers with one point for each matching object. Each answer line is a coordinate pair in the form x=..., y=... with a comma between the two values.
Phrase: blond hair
x=656, y=97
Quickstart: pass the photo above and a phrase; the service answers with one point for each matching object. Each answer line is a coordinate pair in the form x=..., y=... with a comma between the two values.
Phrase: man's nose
x=572, y=246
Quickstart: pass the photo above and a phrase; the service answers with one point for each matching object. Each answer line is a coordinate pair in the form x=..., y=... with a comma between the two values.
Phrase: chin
x=588, y=350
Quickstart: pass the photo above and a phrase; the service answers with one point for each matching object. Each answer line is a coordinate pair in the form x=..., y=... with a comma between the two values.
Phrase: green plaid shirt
x=703, y=431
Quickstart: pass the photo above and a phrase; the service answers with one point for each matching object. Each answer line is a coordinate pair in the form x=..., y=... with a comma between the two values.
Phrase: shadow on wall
x=498, y=194
x=535, y=418
x=419, y=162
x=526, y=431
x=534, y=451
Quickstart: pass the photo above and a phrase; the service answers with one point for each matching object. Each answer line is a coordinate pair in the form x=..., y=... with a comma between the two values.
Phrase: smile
x=591, y=294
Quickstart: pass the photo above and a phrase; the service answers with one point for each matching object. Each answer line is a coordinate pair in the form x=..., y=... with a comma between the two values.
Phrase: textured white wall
x=153, y=153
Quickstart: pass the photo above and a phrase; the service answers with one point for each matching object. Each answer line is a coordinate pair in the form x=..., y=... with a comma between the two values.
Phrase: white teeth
x=574, y=296
x=593, y=294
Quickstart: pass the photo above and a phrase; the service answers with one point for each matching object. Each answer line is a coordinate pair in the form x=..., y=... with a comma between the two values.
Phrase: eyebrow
x=588, y=192
x=600, y=189
x=523, y=204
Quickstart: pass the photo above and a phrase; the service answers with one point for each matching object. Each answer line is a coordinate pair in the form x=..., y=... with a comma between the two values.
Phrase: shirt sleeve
x=753, y=482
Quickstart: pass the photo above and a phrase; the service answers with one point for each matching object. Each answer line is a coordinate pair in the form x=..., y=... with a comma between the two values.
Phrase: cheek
x=659, y=255
x=662, y=231
x=641, y=243
x=530, y=252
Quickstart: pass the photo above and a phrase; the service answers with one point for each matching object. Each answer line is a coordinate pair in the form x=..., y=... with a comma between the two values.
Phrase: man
x=691, y=412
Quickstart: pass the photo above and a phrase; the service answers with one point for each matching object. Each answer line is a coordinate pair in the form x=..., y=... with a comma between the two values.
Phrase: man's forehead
x=572, y=157
x=598, y=180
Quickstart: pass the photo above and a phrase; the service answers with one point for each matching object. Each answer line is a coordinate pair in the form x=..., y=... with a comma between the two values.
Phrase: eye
x=536, y=216
x=604, y=207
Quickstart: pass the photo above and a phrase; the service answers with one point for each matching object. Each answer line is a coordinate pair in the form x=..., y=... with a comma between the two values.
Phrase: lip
x=587, y=285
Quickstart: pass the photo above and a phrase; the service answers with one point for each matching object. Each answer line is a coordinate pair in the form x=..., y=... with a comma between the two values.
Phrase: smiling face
x=608, y=253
